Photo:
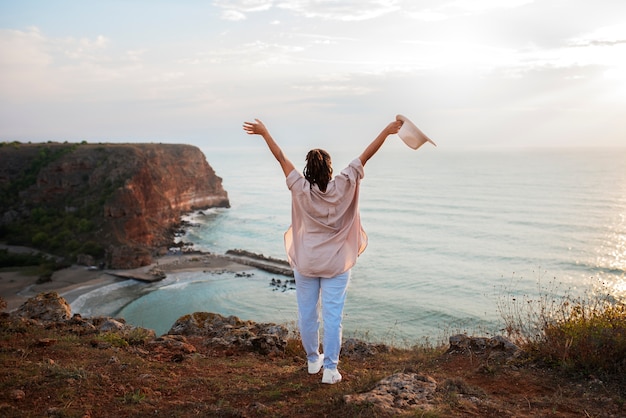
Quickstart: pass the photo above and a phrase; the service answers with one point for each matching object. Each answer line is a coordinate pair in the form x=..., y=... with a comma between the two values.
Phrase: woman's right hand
x=255, y=128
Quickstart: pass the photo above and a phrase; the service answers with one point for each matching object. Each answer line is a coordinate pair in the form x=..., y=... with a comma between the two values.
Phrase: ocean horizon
x=451, y=234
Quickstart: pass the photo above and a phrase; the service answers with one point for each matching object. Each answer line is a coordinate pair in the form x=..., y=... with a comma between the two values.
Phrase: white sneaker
x=316, y=366
x=331, y=376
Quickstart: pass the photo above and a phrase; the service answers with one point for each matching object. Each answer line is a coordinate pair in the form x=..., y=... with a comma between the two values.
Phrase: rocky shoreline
x=17, y=285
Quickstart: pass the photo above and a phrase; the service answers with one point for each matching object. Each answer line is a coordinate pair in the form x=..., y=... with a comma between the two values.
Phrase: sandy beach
x=18, y=285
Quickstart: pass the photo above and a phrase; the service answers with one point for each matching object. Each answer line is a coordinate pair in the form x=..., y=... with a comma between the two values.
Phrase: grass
x=124, y=376
x=134, y=397
x=584, y=334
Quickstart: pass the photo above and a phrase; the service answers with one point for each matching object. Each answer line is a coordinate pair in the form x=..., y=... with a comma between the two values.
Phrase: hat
x=411, y=134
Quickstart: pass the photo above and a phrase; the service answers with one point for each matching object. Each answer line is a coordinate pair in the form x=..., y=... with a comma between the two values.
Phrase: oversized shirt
x=325, y=237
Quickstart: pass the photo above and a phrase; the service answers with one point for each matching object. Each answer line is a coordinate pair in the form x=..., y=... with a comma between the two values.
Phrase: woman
x=323, y=242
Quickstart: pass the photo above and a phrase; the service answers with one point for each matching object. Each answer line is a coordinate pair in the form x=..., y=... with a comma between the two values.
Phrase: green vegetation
x=133, y=337
x=29, y=177
x=41, y=264
x=9, y=259
x=113, y=338
x=134, y=397
x=583, y=335
x=64, y=227
x=56, y=231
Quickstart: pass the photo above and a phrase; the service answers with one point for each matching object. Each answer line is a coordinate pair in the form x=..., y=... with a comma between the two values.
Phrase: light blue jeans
x=333, y=296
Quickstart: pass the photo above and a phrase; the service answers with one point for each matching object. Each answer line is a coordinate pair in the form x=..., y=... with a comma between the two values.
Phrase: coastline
x=17, y=286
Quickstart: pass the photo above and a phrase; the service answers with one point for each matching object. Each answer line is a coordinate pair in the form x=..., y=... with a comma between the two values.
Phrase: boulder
x=358, y=349
x=85, y=260
x=47, y=307
x=495, y=348
x=264, y=338
x=171, y=347
x=111, y=324
x=399, y=393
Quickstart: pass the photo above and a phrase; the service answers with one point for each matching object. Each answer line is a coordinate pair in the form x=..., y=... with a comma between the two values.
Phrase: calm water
x=450, y=234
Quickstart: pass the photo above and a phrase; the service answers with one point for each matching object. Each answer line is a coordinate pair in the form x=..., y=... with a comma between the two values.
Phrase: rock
x=399, y=393
x=17, y=394
x=128, y=257
x=461, y=343
x=358, y=349
x=46, y=342
x=47, y=307
x=264, y=338
x=85, y=260
x=81, y=326
x=111, y=325
x=171, y=347
x=136, y=192
x=495, y=348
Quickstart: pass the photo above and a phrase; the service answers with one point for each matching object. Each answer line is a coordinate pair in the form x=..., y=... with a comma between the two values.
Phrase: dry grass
x=57, y=371
x=584, y=335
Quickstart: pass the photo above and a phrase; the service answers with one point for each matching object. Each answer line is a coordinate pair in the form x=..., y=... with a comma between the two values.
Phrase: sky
x=469, y=73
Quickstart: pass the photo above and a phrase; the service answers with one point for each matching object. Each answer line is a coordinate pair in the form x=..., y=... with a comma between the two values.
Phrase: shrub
x=93, y=249
x=84, y=225
x=591, y=338
x=8, y=259
x=40, y=239
x=113, y=338
x=581, y=334
x=139, y=336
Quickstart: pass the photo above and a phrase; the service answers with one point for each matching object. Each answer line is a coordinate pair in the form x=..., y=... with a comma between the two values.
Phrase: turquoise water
x=450, y=233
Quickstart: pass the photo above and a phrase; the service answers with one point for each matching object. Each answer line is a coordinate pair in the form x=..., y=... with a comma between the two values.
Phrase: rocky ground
x=56, y=364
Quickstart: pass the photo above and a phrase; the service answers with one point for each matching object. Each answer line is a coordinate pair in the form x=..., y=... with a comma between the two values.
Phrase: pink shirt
x=325, y=237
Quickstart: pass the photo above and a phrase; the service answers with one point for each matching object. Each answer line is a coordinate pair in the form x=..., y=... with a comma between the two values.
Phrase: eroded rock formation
x=127, y=196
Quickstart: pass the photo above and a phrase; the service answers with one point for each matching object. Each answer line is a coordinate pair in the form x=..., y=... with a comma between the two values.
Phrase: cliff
x=115, y=202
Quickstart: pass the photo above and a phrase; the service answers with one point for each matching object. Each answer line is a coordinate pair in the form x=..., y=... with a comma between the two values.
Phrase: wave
x=88, y=303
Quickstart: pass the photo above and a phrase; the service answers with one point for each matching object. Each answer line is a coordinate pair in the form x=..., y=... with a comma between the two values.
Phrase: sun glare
x=617, y=76
x=613, y=260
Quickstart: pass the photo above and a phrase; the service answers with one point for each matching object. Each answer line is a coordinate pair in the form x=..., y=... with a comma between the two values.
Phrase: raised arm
x=372, y=148
x=258, y=128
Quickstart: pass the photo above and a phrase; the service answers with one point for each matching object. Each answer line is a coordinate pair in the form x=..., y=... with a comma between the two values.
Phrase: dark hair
x=318, y=169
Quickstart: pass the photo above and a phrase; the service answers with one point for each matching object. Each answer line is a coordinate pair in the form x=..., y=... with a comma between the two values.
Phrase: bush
x=584, y=334
x=591, y=339
x=8, y=259
x=40, y=239
x=93, y=249
x=84, y=225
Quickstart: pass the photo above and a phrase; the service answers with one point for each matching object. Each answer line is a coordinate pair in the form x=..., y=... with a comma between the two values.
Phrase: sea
x=454, y=237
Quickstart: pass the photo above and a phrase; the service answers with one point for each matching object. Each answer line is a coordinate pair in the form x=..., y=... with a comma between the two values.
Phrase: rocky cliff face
x=124, y=197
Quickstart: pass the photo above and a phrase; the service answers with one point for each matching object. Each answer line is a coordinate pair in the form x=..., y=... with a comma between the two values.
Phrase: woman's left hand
x=393, y=127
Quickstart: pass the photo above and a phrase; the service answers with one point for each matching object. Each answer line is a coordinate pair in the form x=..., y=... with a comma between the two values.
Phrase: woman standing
x=323, y=242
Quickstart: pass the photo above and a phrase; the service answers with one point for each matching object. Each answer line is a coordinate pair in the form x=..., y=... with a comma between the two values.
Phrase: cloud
x=22, y=48
x=233, y=15
x=35, y=66
x=346, y=10
x=245, y=5
x=482, y=6
x=458, y=8
x=24, y=61
x=604, y=36
x=236, y=10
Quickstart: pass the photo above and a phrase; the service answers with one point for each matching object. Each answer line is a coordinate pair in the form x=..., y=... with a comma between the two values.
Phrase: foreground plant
x=581, y=334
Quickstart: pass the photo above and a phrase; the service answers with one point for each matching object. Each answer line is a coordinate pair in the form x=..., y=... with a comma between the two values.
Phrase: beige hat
x=411, y=134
